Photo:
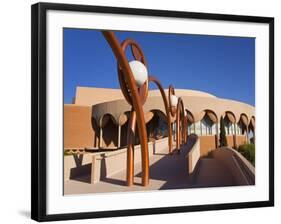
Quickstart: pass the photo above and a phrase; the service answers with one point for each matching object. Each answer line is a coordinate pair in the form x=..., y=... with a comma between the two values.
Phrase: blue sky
x=222, y=66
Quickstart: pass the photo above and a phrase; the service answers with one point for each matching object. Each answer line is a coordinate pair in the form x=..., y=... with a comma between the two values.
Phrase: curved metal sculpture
x=180, y=136
x=136, y=96
x=185, y=127
x=156, y=81
x=171, y=92
x=172, y=111
x=177, y=111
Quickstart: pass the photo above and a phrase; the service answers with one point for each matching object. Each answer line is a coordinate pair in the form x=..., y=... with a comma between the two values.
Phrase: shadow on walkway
x=172, y=169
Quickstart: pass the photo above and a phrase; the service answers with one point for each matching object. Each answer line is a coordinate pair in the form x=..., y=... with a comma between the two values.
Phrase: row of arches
x=209, y=121
x=112, y=133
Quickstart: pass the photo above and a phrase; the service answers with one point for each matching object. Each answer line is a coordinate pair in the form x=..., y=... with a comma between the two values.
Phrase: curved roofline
x=187, y=92
x=195, y=105
x=88, y=96
x=112, y=101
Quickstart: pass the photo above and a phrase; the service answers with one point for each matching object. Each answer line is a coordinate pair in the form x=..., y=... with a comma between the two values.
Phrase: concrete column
x=186, y=127
x=174, y=131
x=100, y=142
x=197, y=128
x=194, y=128
x=95, y=170
x=217, y=135
x=247, y=135
x=119, y=136
x=234, y=138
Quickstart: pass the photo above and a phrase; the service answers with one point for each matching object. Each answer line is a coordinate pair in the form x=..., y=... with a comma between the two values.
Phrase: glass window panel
x=207, y=126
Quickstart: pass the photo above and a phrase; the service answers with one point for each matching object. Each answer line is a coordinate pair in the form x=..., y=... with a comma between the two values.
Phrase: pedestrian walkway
x=166, y=172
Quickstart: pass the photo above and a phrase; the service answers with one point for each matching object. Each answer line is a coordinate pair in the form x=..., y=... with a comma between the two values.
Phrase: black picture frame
x=39, y=106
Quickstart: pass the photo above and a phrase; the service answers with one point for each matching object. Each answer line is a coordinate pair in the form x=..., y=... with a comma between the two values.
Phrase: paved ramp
x=211, y=173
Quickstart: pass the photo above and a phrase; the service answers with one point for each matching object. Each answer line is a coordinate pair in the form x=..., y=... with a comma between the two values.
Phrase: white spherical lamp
x=139, y=72
x=174, y=100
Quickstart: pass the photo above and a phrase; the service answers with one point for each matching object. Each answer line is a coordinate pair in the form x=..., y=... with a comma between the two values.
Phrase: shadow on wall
x=109, y=130
x=83, y=172
x=80, y=172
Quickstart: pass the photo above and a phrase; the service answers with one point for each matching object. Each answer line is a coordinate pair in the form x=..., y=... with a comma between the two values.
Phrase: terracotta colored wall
x=229, y=139
x=240, y=139
x=78, y=131
x=207, y=143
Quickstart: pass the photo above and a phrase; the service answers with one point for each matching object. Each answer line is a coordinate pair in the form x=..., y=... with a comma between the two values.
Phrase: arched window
x=190, y=128
x=190, y=122
x=239, y=128
x=252, y=124
x=157, y=127
x=207, y=125
x=229, y=126
x=229, y=121
x=243, y=122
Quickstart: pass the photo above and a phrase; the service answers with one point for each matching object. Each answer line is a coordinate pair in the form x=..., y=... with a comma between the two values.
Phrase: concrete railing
x=248, y=170
x=193, y=154
x=239, y=168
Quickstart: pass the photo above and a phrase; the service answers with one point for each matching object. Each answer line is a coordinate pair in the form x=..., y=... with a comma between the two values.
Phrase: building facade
x=98, y=119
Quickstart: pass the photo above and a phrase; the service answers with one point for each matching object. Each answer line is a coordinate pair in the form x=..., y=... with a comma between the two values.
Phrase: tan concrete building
x=98, y=119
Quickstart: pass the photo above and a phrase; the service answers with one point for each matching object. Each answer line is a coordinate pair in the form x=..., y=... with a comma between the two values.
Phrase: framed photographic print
x=138, y=111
